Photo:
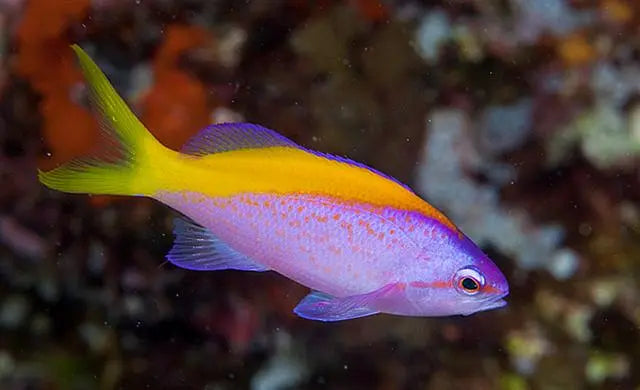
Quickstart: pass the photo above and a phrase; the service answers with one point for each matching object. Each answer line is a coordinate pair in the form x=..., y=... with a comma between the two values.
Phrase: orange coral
x=44, y=19
x=179, y=38
x=372, y=10
x=617, y=11
x=70, y=130
x=576, y=50
x=44, y=58
x=176, y=106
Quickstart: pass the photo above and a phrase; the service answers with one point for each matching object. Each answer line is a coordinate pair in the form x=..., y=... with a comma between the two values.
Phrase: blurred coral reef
x=520, y=119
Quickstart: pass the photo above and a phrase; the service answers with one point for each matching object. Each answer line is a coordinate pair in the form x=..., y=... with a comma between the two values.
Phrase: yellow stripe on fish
x=283, y=170
x=147, y=167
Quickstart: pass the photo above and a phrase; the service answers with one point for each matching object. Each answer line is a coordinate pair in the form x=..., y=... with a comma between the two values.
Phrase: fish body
x=254, y=200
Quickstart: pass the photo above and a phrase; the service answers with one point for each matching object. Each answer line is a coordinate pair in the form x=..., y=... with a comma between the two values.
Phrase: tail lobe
x=133, y=149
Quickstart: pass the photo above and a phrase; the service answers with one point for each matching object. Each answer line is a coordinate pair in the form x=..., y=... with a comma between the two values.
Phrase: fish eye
x=469, y=285
x=469, y=280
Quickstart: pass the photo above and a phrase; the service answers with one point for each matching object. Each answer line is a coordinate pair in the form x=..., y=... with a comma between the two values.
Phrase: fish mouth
x=493, y=303
x=496, y=302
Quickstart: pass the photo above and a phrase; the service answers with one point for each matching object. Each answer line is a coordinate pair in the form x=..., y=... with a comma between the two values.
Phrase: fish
x=251, y=199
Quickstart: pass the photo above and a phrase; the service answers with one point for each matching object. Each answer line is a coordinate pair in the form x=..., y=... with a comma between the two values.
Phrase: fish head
x=478, y=286
x=458, y=279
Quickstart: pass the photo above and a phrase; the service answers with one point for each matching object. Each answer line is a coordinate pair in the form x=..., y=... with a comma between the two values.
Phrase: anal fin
x=196, y=248
x=323, y=307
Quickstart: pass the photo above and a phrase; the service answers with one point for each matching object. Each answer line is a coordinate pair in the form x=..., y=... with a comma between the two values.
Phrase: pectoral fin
x=323, y=307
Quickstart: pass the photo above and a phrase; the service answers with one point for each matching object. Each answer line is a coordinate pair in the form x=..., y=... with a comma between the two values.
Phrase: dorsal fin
x=226, y=137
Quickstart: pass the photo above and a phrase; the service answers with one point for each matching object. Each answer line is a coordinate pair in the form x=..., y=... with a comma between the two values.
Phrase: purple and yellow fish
x=254, y=200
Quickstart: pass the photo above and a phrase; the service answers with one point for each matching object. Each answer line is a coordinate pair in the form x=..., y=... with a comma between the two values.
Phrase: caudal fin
x=124, y=170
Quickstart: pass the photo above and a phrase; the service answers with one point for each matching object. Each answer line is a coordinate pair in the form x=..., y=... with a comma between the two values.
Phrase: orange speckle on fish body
x=323, y=238
x=305, y=248
x=335, y=250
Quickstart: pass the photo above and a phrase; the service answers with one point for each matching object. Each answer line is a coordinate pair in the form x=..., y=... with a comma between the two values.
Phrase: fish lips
x=490, y=304
x=495, y=304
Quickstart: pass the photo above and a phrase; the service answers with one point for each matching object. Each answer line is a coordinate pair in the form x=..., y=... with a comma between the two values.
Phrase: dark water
x=520, y=120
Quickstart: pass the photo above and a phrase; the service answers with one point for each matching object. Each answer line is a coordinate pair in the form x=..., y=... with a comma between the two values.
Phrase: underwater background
x=518, y=119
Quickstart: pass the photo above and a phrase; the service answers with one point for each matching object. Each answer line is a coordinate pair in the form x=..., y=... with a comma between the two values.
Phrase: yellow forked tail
x=128, y=169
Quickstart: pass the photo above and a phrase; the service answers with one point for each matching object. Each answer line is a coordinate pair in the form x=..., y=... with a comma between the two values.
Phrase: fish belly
x=326, y=244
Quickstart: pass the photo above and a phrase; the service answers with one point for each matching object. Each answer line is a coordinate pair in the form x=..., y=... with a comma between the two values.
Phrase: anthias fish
x=254, y=200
